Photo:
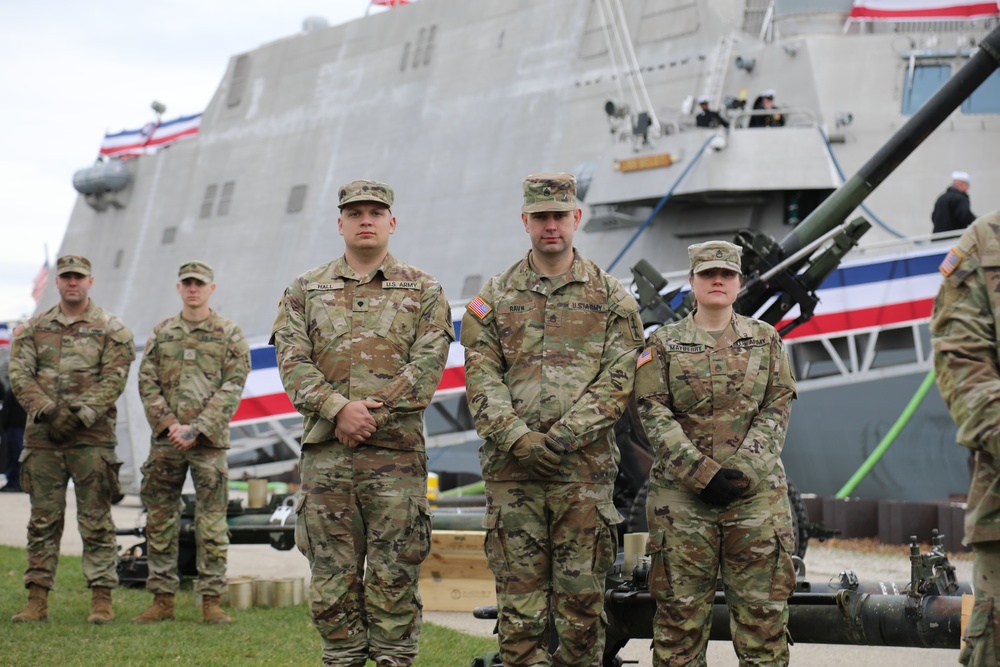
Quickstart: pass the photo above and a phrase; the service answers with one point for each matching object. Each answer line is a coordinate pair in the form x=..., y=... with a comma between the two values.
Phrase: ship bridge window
x=297, y=199
x=208, y=201
x=238, y=83
x=226, y=198
x=986, y=98
x=921, y=83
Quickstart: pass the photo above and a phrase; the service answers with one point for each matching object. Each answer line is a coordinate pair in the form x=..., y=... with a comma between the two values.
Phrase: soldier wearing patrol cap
x=190, y=380
x=549, y=362
x=67, y=367
x=964, y=328
x=714, y=392
x=362, y=343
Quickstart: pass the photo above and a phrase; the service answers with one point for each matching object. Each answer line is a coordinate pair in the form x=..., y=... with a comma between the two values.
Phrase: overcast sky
x=73, y=70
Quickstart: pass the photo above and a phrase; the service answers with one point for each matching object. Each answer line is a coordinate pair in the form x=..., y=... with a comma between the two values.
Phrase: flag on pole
x=41, y=280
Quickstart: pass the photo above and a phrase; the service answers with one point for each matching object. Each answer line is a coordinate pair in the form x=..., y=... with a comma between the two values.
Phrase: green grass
x=257, y=637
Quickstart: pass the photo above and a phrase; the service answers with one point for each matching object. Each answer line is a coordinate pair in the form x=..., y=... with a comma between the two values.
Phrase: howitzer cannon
x=791, y=270
x=926, y=612
x=273, y=524
x=922, y=613
x=788, y=273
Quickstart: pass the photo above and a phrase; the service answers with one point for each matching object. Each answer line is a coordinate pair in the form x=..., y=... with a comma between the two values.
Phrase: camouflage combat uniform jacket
x=194, y=374
x=342, y=337
x=555, y=356
x=83, y=364
x=705, y=403
x=964, y=332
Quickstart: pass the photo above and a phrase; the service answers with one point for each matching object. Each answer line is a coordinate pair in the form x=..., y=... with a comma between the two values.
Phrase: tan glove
x=47, y=413
x=534, y=454
x=64, y=424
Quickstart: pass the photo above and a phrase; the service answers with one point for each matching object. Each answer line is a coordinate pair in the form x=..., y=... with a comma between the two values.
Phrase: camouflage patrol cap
x=549, y=192
x=197, y=270
x=366, y=191
x=715, y=255
x=73, y=264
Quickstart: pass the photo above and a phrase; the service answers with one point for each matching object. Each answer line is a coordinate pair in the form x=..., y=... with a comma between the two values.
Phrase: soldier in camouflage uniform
x=362, y=343
x=67, y=368
x=550, y=349
x=190, y=379
x=964, y=329
x=714, y=392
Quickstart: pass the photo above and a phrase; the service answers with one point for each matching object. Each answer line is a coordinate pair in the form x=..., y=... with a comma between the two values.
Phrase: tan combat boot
x=162, y=609
x=100, y=606
x=37, y=608
x=211, y=612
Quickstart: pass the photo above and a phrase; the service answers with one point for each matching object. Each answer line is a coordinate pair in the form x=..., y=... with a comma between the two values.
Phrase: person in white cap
x=765, y=102
x=952, y=210
x=706, y=117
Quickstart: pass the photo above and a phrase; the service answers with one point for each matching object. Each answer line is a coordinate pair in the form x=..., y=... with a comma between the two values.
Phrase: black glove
x=64, y=424
x=534, y=454
x=721, y=490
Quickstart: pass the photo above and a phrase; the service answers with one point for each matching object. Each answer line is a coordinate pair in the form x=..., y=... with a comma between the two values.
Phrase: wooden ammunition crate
x=455, y=576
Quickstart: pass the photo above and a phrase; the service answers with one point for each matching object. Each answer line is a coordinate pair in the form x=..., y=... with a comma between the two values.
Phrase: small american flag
x=41, y=280
x=479, y=307
x=646, y=356
x=950, y=262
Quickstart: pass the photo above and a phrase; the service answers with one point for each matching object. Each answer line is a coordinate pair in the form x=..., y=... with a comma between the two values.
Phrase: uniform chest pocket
x=399, y=318
x=739, y=371
x=688, y=378
x=327, y=315
x=520, y=329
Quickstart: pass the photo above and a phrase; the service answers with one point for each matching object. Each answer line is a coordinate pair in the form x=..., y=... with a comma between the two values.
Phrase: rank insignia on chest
x=644, y=357
x=189, y=355
x=479, y=308
x=951, y=262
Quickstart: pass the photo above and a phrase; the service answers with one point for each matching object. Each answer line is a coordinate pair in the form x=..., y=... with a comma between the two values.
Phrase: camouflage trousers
x=163, y=476
x=366, y=503
x=549, y=545
x=44, y=476
x=690, y=544
x=981, y=643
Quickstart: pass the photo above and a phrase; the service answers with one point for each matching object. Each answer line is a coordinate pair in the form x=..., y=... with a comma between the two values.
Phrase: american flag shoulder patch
x=951, y=262
x=479, y=308
x=644, y=357
x=18, y=330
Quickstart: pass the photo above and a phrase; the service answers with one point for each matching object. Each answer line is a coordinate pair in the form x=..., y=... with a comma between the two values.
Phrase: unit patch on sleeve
x=479, y=308
x=951, y=262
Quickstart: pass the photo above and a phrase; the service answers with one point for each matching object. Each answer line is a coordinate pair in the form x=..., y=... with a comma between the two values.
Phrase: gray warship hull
x=453, y=103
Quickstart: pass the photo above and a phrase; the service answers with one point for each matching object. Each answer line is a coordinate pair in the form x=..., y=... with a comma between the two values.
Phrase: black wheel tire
x=800, y=520
x=636, y=521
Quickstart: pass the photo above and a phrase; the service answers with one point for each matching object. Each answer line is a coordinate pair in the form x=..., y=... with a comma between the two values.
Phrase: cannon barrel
x=846, y=617
x=835, y=209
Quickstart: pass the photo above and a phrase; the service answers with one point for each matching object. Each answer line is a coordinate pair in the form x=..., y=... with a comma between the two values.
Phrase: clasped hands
x=726, y=486
x=537, y=453
x=62, y=420
x=355, y=423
